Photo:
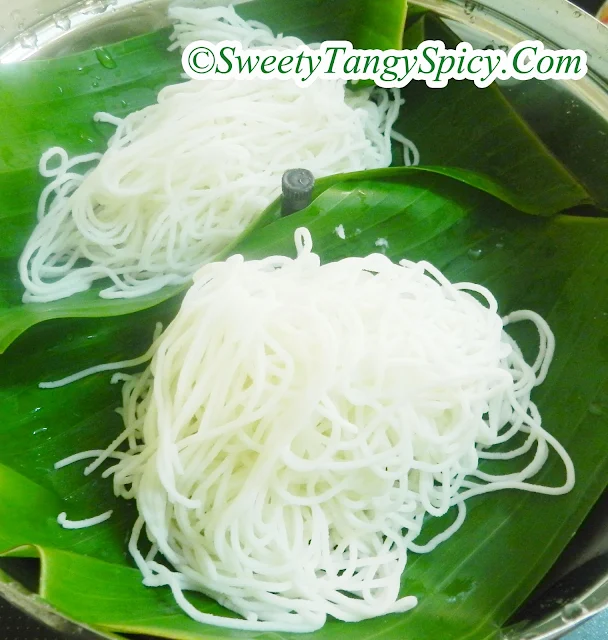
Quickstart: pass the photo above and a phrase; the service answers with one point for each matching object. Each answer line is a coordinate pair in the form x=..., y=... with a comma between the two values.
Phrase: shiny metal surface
x=74, y=26
x=12, y=590
x=577, y=587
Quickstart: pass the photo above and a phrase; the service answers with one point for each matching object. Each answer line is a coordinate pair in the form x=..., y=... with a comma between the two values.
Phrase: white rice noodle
x=182, y=179
x=299, y=423
x=82, y=524
x=216, y=24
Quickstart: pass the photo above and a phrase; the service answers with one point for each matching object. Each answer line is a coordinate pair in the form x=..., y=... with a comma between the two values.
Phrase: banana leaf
x=16, y=317
x=575, y=133
x=469, y=586
x=476, y=132
x=51, y=102
x=45, y=103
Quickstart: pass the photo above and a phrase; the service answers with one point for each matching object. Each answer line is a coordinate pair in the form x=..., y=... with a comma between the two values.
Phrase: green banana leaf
x=476, y=132
x=470, y=585
x=51, y=102
x=574, y=132
x=468, y=588
x=16, y=317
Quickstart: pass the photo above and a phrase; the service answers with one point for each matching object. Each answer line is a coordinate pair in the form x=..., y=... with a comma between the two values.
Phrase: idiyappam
x=298, y=423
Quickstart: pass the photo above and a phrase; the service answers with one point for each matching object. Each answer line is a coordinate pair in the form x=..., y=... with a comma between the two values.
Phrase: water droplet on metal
x=475, y=254
x=28, y=40
x=93, y=7
x=105, y=58
x=17, y=18
x=573, y=611
x=62, y=22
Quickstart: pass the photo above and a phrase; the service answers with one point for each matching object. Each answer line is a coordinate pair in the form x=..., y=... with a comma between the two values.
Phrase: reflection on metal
x=46, y=28
x=31, y=604
x=77, y=26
